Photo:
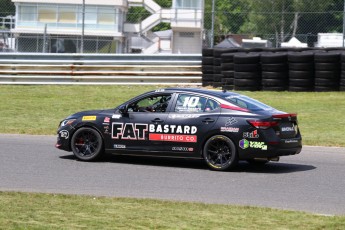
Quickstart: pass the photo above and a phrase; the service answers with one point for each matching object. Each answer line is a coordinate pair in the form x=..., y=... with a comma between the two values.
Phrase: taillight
x=287, y=115
x=263, y=124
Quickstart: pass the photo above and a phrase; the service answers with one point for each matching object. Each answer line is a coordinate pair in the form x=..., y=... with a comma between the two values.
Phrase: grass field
x=38, y=109
x=47, y=211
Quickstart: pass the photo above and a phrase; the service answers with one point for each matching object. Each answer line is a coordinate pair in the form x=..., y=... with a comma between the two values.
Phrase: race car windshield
x=247, y=103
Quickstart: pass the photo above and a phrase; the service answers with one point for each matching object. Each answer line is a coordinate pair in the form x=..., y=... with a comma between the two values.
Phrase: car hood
x=106, y=112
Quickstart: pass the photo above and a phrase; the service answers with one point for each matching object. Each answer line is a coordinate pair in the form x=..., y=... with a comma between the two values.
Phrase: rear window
x=247, y=103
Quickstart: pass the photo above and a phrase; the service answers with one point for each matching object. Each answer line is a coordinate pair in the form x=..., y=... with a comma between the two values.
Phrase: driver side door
x=131, y=129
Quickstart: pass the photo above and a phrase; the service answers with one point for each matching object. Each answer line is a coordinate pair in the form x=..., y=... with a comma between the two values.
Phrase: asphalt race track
x=312, y=181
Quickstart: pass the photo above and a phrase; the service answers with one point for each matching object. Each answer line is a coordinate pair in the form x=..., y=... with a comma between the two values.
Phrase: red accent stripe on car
x=232, y=107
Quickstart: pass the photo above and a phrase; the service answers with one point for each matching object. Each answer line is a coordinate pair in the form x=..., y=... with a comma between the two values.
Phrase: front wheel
x=87, y=144
x=220, y=153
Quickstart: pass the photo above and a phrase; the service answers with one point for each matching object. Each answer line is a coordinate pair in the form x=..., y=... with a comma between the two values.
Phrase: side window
x=211, y=105
x=152, y=103
x=190, y=103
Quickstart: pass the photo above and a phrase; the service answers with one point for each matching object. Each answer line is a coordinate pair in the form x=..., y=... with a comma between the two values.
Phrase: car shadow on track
x=243, y=167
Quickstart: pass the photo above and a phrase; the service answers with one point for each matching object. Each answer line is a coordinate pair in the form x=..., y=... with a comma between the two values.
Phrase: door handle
x=208, y=120
x=157, y=120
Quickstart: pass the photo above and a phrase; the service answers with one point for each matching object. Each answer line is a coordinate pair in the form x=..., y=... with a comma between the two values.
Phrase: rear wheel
x=220, y=153
x=87, y=144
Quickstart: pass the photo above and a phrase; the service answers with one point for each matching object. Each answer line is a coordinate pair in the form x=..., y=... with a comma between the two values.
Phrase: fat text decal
x=136, y=131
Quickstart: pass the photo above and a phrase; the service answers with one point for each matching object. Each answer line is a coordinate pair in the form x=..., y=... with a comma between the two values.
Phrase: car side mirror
x=123, y=109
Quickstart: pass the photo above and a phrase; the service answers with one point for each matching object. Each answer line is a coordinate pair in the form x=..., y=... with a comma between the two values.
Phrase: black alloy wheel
x=220, y=153
x=87, y=144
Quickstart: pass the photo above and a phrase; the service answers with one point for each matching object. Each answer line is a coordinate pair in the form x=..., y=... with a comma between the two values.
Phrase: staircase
x=157, y=16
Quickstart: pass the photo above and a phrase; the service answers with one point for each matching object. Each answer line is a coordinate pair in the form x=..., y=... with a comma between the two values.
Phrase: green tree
x=287, y=18
x=6, y=8
x=229, y=15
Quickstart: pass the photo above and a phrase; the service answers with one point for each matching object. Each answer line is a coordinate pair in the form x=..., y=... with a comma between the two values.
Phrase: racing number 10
x=190, y=102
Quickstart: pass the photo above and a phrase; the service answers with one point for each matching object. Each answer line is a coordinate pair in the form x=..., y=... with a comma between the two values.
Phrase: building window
x=47, y=14
x=67, y=15
x=27, y=13
x=186, y=34
x=106, y=16
x=187, y=4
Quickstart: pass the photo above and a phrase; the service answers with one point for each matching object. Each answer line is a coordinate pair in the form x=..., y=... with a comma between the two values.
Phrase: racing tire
x=301, y=82
x=207, y=52
x=228, y=81
x=273, y=58
x=325, y=88
x=207, y=61
x=276, y=67
x=227, y=66
x=274, y=88
x=299, y=57
x=274, y=82
x=228, y=74
x=217, y=61
x=217, y=69
x=247, y=67
x=247, y=82
x=207, y=77
x=247, y=75
x=327, y=74
x=87, y=144
x=275, y=75
x=220, y=153
x=207, y=69
x=300, y=74
x=228, y=57
x=309, y=66
x=327, y=66
x=217, y=77
x=246, y=58
x=300, y=89
x=327, y=57
x=219, y=51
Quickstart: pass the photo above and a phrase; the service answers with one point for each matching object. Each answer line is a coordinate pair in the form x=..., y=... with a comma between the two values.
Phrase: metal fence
x=274, y=20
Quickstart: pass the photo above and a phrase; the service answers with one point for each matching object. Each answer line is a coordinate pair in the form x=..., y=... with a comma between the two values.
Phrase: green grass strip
x=51, y=211
x=39, y=109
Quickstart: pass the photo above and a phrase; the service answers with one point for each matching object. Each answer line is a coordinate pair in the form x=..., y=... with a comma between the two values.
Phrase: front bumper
x=63, y=140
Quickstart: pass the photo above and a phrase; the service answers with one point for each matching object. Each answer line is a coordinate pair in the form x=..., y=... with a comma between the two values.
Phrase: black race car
x=219, y=126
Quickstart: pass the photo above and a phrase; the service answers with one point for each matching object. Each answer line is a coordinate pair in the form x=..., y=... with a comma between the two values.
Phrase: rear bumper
x=273, y=150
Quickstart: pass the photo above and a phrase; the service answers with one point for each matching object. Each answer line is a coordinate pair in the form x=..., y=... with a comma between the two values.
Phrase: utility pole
x=212, y=25
x=344, y=25
x=82, y=28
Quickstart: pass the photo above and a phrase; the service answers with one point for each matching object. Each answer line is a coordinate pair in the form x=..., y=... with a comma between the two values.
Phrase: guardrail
x=119, y=69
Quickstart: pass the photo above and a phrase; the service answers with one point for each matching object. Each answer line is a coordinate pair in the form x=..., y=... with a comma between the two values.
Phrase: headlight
x=67, y=122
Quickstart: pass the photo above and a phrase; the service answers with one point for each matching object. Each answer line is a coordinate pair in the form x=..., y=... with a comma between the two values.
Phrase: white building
x=56, y=26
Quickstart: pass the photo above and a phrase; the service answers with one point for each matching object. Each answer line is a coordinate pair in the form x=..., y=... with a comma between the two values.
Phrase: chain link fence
x=276, y=21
